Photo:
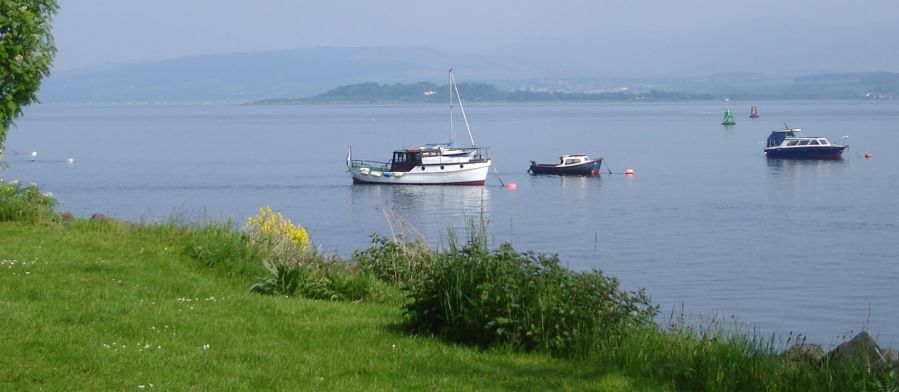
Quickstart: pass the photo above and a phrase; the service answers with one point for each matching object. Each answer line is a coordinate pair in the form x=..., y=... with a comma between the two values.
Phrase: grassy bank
x=99, y=306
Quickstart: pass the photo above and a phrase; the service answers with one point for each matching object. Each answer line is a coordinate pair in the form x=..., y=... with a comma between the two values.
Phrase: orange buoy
x=629, y=172
x=868, y=155
x=512, y=186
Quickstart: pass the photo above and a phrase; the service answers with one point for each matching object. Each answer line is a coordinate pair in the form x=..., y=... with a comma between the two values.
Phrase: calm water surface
x=707, y=222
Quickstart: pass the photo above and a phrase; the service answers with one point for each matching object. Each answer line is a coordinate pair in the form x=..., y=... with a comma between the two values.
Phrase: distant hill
x=426, y=92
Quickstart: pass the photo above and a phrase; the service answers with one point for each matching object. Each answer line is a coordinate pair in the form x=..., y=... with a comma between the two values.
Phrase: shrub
x=318, y=278
x=276, y=234
x=396, y=262
x=25, y=203
x=527, y=300
x=292, y=268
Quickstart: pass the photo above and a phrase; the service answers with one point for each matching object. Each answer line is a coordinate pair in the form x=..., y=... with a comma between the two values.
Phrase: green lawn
x=93, y=306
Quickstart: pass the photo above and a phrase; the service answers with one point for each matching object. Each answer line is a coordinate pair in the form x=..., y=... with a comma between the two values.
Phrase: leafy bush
x=316, y=279
x=527, y=300
x=292, y=268
x=25, y=203
x=276, y=234
x=395, y=262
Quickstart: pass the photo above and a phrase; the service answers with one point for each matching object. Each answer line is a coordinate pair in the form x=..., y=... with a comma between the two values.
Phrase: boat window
x=823, y=142
x=813, y=143
x=399, y=157
x=803, y=142
x=792, y=142
x=571, y=161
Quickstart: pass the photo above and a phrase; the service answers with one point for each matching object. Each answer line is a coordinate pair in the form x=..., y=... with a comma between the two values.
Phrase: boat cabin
x=566, y=160
x=794, y=138
x=405, y=160
x=777, y=137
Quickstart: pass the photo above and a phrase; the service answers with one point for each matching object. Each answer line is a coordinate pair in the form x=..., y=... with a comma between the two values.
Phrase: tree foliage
x=26, y=52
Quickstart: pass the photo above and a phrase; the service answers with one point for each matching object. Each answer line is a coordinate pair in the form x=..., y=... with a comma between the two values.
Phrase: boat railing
x=373, y=165
x=481, y=153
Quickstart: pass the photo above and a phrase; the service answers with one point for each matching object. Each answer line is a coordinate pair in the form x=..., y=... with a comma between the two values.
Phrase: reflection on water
x=412, y=198
x=783, y=165
x=432, y=209
x=796, y=168
x=581, y=182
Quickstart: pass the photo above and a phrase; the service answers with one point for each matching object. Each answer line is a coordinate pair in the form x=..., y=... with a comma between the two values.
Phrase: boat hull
x=590, y=168
x=822, y=152
x=472, y=173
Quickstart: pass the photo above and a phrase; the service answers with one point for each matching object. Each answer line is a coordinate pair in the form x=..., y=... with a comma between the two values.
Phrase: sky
x=98, y=32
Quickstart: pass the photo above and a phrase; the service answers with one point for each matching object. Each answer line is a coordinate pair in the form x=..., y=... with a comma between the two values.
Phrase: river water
x=707, y=222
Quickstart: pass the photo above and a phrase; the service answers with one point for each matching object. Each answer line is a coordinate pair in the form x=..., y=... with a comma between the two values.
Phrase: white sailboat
x=428, y=164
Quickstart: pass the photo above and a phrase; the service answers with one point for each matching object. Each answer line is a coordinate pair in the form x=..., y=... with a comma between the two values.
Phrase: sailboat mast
x=449, y=85
x=461, y=108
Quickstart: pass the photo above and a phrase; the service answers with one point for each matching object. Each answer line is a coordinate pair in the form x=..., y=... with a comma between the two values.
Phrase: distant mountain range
x=773, y=61
x=243, y=77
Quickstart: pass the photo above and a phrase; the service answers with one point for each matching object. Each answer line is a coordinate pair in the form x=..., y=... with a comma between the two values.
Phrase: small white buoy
x=33, y=155
x=868, y=155
x=70, y=161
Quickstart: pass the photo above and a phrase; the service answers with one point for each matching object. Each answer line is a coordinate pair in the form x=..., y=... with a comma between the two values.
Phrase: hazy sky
x=95, y=32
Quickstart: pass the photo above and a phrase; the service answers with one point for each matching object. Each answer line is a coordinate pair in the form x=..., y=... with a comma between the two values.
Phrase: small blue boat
x=789, y=143
x=569, y=165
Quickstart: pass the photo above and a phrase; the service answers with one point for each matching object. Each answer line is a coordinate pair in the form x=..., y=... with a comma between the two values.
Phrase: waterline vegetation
x=104, y=305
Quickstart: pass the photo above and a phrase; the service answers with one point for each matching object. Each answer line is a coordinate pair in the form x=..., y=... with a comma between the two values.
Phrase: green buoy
x=728, y=117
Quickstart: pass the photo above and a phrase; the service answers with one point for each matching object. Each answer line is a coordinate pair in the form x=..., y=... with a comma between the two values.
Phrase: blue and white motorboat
x=789, y=143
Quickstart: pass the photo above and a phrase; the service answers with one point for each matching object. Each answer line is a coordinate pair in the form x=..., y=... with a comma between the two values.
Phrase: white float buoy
x=33, y=155
x=70, y=161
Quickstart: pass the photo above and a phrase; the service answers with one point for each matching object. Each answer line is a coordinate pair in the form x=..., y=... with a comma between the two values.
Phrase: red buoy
x=629, y=172
x=512, y=186
x=868, y=155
